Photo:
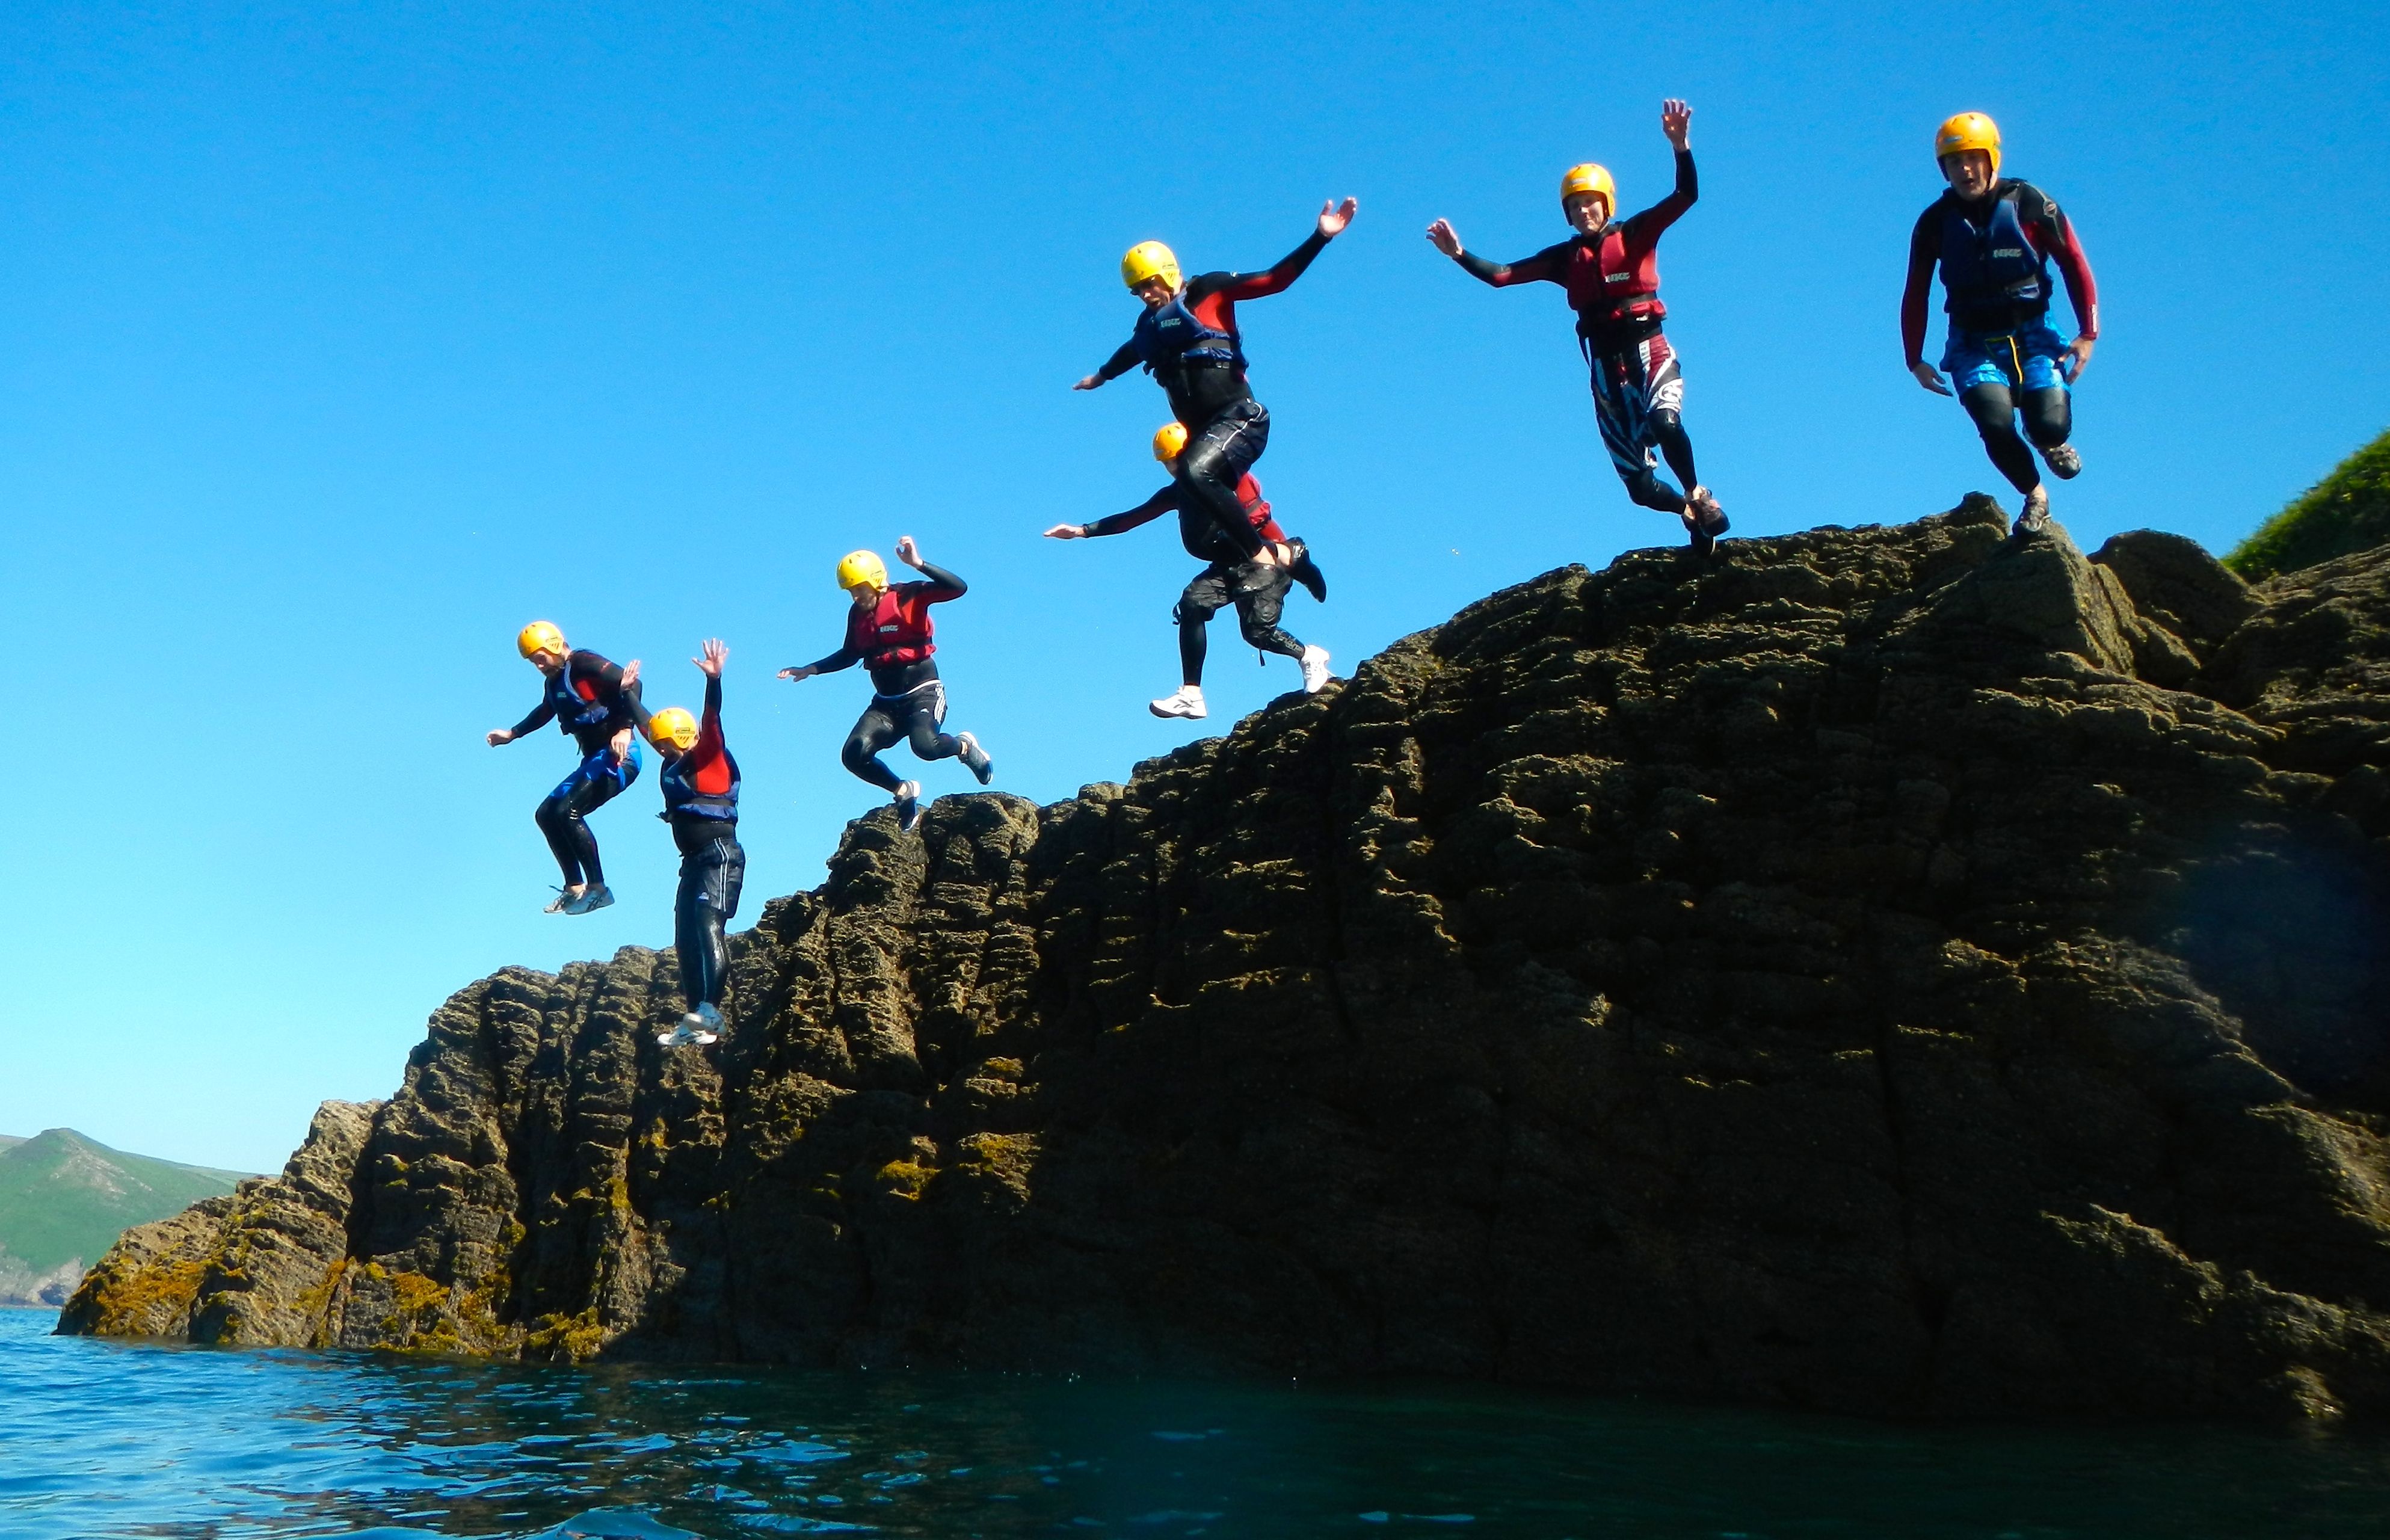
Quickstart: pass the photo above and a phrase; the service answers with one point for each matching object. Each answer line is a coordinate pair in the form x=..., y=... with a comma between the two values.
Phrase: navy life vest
x=1995, y=279
x=1169, y=337
x=683, y=798
x=577, y=706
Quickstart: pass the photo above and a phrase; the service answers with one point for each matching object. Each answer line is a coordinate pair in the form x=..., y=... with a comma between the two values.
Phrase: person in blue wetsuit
x=701, y=786
x=1994, y=240
x=591, y=702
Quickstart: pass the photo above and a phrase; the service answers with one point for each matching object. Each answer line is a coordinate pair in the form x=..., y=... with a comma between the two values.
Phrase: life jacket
x=1257, y=511
x=574, y=696
x=1170, y=337
x=1615, y=290
x=896, y=631
x=1995, y=279
x=684, y=793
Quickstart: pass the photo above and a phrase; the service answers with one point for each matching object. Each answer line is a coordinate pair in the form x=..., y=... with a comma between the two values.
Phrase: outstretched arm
x=1146, y=512
x=1333, y=219
x=1123, y=359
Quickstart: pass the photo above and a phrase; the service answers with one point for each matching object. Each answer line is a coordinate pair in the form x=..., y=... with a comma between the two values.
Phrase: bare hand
x=908, y=553
x=1067, y=531
x=1929, y=376
x=797, y=672
x=2078, y=359
x=1334, y=217
x=710, y=662
x=1446, y=238
x=620, y=746
x=501, y=735
x=631, y=673
x=1091, y=383
x=1676, y=122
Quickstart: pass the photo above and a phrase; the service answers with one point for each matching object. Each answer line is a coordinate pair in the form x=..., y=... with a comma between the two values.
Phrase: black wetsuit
x=1192, y=348
x=702, y=803
x=909, y=701
x=587, y=701
x=1231, y=575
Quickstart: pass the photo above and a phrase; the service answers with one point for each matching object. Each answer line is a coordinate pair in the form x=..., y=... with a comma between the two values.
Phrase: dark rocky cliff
x=1897, y=970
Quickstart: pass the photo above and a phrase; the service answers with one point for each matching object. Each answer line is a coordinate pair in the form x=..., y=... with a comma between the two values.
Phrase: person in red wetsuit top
x=1994, y=240
x=591, y=702
x=1611, y=272
x=888, y=631
x=1234, y=574
x=701, y=786
x=1188, y=340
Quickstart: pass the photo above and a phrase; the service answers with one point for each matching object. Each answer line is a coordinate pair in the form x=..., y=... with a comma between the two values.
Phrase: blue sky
x=341, y=340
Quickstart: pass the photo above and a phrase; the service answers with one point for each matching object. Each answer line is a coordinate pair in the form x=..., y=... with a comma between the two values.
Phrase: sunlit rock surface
x=1901, y=969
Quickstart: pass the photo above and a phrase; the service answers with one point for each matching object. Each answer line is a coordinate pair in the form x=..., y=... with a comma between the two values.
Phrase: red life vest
x=1257, y=512
x=1612, y=280
x=896, y=630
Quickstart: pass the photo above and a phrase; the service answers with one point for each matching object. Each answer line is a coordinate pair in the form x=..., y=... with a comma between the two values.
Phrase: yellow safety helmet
x=539, y=636
x=860, y=567
x=672, y=725
x=1590, y=178
x=1969, y=130
x=1169, y=442
x=1149, y=259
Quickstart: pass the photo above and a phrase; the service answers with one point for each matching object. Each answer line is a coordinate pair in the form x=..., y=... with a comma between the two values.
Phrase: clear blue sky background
x=337, y=341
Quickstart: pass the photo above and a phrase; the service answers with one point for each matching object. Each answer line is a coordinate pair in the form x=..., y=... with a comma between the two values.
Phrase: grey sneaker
x=2065, y=461
x=2035, y=517
x=909, y=807
x=1315, y=670
x=562, y=904
x=595, y=896
x=975, y=758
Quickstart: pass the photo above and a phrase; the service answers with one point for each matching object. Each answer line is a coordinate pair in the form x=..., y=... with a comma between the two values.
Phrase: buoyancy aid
x=1614, y=288
x=1170, y=337
x=682, y=781
x=1995, y=279
x=896, y=630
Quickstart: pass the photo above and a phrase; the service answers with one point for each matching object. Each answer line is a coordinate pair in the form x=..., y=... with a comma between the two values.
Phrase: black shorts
x=713, y=874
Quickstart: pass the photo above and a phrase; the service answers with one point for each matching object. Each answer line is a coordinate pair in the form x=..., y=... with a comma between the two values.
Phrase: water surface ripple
x=114, y=1439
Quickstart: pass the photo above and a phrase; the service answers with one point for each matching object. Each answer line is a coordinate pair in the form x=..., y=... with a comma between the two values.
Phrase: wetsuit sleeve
x=1548, y=266
x=1253, y=286
x=1123, y=359
x=943, y=585
x=1672, y=209
x=708, y=747
x=541, y=715
x=1919, y=287
x=2048, y=229
x=846, y=657
x=1146, y=512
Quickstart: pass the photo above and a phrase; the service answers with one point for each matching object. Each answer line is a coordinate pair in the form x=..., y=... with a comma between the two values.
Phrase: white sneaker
x=1315, y=670
x=691, y=1031
x=1188, y=703
x=908, y=806
x=561, y=902
x=595, y=896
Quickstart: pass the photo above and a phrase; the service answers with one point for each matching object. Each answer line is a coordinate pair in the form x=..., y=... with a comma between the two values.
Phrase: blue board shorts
x=2023, y=360
x=603, y=779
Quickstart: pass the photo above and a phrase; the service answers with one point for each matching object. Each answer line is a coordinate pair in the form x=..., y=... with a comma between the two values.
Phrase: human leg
x=563, y=816
x=1623, y=402
x=1217, y=455
x=1993, y=410
x=1260, y=599
x=1202, y=599
x=922, y=715
x=874, y=730
x=710, y=879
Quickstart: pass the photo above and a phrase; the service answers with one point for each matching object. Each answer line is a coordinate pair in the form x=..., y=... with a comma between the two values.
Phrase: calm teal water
x=108, y=1438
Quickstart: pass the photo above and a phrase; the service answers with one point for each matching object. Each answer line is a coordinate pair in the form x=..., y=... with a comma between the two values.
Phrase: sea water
x=110, y=1439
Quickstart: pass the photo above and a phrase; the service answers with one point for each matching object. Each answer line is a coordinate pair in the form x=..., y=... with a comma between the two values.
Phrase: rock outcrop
x=1904, y=970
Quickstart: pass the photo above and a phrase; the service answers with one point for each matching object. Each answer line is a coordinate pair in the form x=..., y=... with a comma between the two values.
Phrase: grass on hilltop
x=2348, y=510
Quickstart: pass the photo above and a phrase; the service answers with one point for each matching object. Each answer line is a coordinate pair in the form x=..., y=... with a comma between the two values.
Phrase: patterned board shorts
x=1627, y=388
x=2025, y=359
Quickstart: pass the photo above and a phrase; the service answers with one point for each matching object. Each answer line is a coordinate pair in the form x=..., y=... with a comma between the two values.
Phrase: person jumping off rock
x=1994, y=238
x=1611, y=271
x=701, y=786
x=593, y=702
x=1234, y=574
x=888, y=631
x=1188, y=340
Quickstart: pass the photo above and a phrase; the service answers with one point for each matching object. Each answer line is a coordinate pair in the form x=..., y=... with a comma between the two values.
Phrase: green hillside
x=64, y=1197
x=2348, y=510
x=9, y=1141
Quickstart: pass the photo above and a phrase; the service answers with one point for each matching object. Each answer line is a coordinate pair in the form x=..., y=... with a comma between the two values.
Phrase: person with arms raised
x=1610, y=270
x=1235, y=574
x=1994, y=240
x=889, y=631
x=701, y=786
x=1187, y=338
x=591, y=702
